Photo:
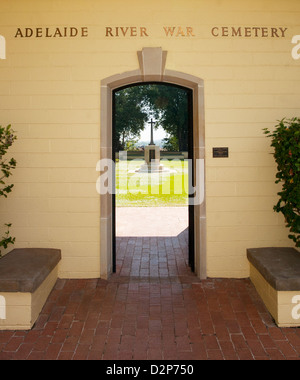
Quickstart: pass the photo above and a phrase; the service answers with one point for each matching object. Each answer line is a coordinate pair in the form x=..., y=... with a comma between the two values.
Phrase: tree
x=170, y=106
x=7, y=137
x=171, y=144
x=130, y=116
x=136, y=105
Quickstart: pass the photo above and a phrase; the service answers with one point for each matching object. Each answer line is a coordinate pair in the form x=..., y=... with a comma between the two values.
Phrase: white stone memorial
x=152, y=157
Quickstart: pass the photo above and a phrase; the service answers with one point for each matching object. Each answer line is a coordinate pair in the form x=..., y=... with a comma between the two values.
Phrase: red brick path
x=153, y=308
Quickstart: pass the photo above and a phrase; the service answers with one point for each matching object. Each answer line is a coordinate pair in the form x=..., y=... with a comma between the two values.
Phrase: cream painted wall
x=50, y=93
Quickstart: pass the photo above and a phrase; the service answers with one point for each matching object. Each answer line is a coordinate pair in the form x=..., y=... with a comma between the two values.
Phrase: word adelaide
x=55, y=32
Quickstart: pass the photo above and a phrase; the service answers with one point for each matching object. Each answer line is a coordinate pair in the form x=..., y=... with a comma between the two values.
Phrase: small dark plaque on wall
x=220, y=152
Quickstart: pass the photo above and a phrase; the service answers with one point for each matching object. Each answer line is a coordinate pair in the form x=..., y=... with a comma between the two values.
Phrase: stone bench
x=275, y=273
x=27, y=277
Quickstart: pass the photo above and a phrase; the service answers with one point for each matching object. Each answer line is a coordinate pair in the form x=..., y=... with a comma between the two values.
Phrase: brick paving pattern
x=153, y=308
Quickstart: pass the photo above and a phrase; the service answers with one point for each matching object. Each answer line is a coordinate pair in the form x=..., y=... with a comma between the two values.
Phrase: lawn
x=135, y=189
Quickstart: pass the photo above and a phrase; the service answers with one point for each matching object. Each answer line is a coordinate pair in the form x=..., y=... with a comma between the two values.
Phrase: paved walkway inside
x=153, y=308
x=151, y=221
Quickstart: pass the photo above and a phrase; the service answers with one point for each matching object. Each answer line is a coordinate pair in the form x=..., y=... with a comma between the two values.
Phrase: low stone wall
x=275, y=273
x=27, y=277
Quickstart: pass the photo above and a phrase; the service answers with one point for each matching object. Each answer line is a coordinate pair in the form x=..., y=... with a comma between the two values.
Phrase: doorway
x=153, y=154
x=152, y=68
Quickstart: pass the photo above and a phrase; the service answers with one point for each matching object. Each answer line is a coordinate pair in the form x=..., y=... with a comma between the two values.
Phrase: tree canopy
x=130, y=116
x=136, y=105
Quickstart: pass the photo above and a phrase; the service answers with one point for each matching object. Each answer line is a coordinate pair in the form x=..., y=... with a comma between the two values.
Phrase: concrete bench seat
x=27, y=277
x=275, y=273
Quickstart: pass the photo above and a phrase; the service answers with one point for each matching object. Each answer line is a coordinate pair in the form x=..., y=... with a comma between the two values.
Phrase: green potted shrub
x=285, y=140
x=7, y=137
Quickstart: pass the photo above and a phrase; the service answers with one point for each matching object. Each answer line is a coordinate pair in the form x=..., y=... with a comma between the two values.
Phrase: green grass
x=151, y=190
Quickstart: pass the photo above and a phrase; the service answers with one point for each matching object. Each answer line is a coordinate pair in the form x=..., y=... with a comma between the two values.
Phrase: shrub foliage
x=7, y=137
x=285, y=140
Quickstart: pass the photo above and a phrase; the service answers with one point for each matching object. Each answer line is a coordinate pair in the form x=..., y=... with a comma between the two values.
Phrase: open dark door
x=191, y=181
